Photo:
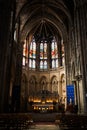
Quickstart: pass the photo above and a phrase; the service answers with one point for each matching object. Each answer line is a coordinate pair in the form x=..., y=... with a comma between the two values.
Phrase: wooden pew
x=15, y=121
x=72, y=121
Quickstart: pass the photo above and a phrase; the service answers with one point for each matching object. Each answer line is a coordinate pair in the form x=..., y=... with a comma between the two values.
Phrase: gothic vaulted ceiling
x=48, y=16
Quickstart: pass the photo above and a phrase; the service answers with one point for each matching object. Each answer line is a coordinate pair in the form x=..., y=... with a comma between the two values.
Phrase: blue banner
x=70, y=94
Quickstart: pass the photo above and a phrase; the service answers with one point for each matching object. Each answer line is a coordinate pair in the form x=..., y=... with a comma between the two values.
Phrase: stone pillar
x=81, y=30
x=59, y=52
x=49, y=62
x=5, y=52
x=37, y=56
x=16, y=92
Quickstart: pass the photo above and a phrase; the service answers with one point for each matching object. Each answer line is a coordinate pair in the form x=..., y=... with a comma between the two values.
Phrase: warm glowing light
x=43, y=102
x=49, y=101
x=35, y=108
x=37, y=100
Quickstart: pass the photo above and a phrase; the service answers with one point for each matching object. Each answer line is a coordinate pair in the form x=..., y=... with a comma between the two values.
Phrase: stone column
x=17, y=83
x=5, y=52
x=59, y=52
x=49, y=62
x=81, y=28
x=37, y=56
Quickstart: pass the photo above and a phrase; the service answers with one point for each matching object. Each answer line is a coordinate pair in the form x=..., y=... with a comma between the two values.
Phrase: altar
x=44, y=101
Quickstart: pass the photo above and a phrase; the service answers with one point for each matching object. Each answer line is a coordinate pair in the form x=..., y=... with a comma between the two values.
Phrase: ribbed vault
x=55, y=15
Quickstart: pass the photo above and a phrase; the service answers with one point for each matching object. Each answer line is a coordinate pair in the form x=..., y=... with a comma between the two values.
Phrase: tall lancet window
x=45, y=50
x=54, y=54
x=25, y=53
x=43, y=55
x=32, y=50
x=41, y=64
x=41, y=50
x=32, y=54
x=63, y=58
x=36, y=53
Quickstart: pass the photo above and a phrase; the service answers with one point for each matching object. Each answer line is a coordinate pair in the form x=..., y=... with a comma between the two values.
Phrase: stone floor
x=44, y=126
x=44, y=121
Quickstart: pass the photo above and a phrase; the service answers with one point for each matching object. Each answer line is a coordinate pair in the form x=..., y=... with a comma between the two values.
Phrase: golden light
x=37, y=100
x=49, y=100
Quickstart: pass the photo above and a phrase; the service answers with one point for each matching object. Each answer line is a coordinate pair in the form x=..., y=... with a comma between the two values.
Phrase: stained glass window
x=32, y=54
x=41, y=64
x=45, y=64
x=43, y=55
x=45, y=50
x=52, y=50
x=53, y=64
x=56, y=51
x=23, y=62
x=25, y=54
x=56, y=63
x=33, y=64
x=63, y=59
x=41, y=50
x=54, y=54
x=30, y=63
x=32, y=50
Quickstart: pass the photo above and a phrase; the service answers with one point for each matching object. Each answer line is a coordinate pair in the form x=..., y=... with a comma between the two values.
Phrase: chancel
x=43, y=67
x=43, y=102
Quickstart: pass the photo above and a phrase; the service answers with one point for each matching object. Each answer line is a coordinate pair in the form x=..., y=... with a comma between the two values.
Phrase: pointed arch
x=54, y=84
x=43, y=83
x=32, y=83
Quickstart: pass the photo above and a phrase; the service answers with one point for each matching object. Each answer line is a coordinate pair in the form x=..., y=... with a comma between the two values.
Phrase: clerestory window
x=42, y=55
